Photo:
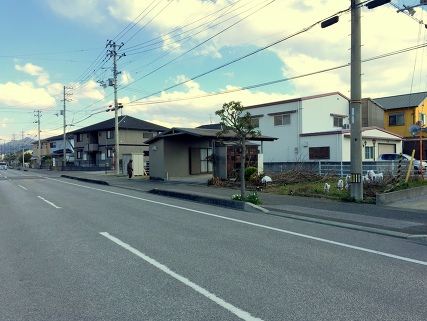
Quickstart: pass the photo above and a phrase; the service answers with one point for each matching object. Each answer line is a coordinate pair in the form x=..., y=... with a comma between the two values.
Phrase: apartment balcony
x=89, y=148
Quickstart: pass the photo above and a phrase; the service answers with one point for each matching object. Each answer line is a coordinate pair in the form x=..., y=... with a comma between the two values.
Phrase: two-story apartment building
x=94, y=145
x=56, y=145
x=402, y=111
x=318, y=128
x=39, y=153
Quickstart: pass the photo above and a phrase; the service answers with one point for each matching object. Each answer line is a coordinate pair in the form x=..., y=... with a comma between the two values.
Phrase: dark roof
x=125, y=122
x=401, y=101
x=211, y=126
x=205, y=133
x=59, y=137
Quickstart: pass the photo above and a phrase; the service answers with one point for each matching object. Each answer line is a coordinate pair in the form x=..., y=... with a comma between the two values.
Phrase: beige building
x=181, y=152
x=94, y=146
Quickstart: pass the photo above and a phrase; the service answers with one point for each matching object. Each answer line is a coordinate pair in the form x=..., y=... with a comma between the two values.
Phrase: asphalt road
x=71, y=250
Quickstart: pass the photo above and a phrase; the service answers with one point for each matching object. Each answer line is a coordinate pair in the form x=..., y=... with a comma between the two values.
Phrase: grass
x=370, y=189
x=306, y=184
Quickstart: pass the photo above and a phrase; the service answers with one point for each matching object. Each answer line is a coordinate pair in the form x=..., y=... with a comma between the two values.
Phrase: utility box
x=137, y=161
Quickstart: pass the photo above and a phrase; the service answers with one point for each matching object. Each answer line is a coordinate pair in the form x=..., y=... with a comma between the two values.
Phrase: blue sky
x=180, y=55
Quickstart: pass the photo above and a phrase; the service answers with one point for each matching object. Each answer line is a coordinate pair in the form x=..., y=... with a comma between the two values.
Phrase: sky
x=179, y=61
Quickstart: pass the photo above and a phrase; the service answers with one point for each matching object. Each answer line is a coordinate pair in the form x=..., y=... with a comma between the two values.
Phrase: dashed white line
x=238, y=312
x=22, y=187
x=50, y=203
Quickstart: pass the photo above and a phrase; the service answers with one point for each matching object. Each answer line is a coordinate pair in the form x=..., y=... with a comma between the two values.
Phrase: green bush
x=249, y=172
x=251, y=198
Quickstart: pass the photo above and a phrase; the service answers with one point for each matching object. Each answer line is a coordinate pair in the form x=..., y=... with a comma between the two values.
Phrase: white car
x=3, y=165
x=405, y=158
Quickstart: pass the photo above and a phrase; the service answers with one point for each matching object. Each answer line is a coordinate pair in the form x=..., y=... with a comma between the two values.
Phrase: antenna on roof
x=415, y=129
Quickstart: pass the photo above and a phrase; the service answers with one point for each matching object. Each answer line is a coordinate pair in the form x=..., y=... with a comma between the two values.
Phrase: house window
x=79, y=137
x=110, y=134
x=147, y=135
x=280, y=120
x=52, y=145
x=79, y=154
x=255, y=122
x=109, y=153
x=319, y=153
x=396, y=119
x=423, y=119
x=369, y=152
x=338, y=121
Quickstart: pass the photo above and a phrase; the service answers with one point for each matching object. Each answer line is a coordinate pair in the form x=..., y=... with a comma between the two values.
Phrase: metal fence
x=341, y=169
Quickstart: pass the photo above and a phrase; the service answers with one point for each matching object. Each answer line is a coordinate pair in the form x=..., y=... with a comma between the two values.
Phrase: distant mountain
x=16, y=146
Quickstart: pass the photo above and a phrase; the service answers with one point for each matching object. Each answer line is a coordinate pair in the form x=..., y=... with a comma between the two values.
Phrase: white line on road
x=50, y=203
x=240, y=313
x=397, y=257
x=22, y=187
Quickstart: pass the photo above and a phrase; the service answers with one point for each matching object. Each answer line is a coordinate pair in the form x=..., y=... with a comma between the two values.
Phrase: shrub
x=249, y=172
x=251, y=198
x=236, y=197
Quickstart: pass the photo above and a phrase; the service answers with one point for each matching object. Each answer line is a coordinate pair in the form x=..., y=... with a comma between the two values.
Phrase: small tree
x=232, y=120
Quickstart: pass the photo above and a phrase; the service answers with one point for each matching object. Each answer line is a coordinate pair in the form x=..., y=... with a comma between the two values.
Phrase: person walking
x=130, y=169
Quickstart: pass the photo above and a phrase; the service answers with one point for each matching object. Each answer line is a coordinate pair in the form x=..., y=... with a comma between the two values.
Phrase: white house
x=316, y=128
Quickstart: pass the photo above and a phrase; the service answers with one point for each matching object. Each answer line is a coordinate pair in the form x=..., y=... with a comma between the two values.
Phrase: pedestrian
x=130, y=169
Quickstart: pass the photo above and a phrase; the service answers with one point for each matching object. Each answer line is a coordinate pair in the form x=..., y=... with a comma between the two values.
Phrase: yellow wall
x=409, y=119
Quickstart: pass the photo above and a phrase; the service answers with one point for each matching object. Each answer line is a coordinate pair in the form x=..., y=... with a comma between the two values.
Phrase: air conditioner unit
x=346, y=126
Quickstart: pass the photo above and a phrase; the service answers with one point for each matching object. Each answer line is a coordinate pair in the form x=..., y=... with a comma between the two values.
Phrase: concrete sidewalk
x=405, y=219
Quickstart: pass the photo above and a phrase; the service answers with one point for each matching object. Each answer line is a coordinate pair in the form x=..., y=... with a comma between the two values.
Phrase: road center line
x=397, y=257
x=238, y=312
x=50, y=203
x=22, y=187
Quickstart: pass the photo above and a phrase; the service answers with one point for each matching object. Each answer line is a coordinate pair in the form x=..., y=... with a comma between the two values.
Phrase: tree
x=232, y=120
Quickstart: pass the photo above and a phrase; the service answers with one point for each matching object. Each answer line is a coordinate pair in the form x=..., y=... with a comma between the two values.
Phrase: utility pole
x=64, y=151
x=23, y=160
x=113, y=53
x=355, y=104
x=37, y=113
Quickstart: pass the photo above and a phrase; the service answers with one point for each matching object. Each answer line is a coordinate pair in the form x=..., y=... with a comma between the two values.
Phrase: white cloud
x=90, y=90
x=17, y=94
x=33, y=70
x=126, y=78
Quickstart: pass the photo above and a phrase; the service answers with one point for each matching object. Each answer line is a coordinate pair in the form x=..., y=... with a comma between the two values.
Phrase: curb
x=202, y=199
x=88, y=180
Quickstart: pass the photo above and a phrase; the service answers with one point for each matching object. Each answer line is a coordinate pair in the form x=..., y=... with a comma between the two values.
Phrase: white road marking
x=22, y=187
x=238, y=312
x=397, y=257
x=50, y=203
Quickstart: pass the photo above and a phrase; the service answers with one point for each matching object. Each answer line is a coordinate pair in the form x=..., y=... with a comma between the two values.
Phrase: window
x=255, y=122
x=319, y=153
x=110, y=134
x=396, y=119
x=109, y=153
x=423, y=119
x=369, y=152
x=52, y=145
x=338, y=121
x=79, y=137
x=147, y=135
x=79, y=154
x=280, y=120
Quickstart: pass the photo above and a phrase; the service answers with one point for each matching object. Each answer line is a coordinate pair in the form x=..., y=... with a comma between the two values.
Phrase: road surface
x=75, y=251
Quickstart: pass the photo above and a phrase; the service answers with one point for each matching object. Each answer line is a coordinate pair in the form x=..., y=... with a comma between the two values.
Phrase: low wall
x=392, y=197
